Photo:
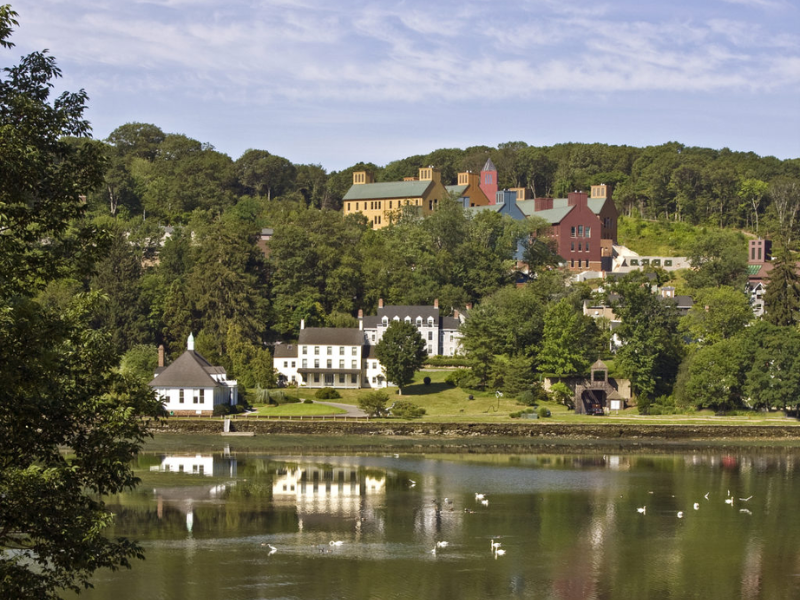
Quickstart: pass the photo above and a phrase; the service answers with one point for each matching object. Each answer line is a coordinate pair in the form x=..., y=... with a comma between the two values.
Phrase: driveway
x=352, y=411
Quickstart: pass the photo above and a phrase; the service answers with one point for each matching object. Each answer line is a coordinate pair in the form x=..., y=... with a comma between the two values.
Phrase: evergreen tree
x=782, y=298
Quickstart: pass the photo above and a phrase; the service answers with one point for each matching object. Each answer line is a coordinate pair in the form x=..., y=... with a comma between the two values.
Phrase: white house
x=191, y=385
x=441, y=334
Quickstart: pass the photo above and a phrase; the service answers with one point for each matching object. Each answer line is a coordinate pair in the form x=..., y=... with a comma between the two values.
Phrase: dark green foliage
x=220, y=410
x=718, y=258
x=60, y=387
x=570, y=340
x=403, y=409
x=447, y=361
x=308, y=401
x=280, y=397
x=462, y=378
x=652, y=348
x=140, y=362
x=373, y=402
x=528, y=398
x=401, y=352
x=543, y=412
x=717, y=314
x=560, y=393
x=327, y=394
x=782, y=298
x=426, y=381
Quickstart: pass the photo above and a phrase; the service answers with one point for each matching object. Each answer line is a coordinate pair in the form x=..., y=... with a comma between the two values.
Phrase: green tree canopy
x=60, y=388
x=401, y=352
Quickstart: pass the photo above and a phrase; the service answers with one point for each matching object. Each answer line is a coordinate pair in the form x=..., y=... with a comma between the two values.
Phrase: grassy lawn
x=296, y=410
x=445, y=403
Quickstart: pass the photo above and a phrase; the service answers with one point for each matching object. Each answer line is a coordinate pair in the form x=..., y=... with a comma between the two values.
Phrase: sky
x=337, y=82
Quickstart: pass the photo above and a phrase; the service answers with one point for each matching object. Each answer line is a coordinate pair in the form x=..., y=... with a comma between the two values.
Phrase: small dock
x=226, y=430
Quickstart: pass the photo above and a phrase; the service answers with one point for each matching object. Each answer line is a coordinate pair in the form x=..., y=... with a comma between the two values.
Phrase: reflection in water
x=568, y=523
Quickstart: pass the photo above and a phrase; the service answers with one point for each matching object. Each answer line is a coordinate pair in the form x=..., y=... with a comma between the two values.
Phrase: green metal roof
x=491, y=207
x=753, y=269
x=391, y=189
x=596, y=204
x=458, y=189
x=551, y=215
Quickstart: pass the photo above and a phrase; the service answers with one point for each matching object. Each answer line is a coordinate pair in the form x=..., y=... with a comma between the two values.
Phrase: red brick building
x=584, y=228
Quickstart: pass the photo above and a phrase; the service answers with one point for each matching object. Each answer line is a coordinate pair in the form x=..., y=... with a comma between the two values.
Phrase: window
x=341, y=377
x=316, y=377
x=571, y=232
x=390, y=204
x=305, y=363
x=341, y=350
x=752, y=253
x=375, y=365
x=587, y=246
x=304, y=349
x=353, y=378
x=373, y=379
x=580, y=247
x=580, y=230
x=385, y=322
x=316, y=363
x=451, y=338
x=330, y=350
x=293, y=363
x=759, y=254
x=180, y=396
x=316, y=350
x=489, y=178
x=330, y=363
x=354, y=364
x=354, y=351
x=341, y=364
x=407, y=319
x=430, y=350
x=588, y=231
x=196, y=397
x=430, y=321
x=285, y=364
x=572, y=246
x=430, y=335
x=419, y=321
x=373, y=337
x=356, y=205
x=667, y=263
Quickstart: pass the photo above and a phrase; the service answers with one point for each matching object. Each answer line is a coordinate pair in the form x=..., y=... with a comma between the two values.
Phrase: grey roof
x=489, y=166
x=598, y=364
x=401, y=312
x=450, y=323
x=596, y=204
x=392, y=189
x=285, y=351
x=190, y=369
x=331, y=336
x=369, y=352
x=551, y=215
x=371, y=322
x=489, y=207
x=457, y=189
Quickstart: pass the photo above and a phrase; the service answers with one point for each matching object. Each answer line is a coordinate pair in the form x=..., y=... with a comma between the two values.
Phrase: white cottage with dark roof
x=191, y=385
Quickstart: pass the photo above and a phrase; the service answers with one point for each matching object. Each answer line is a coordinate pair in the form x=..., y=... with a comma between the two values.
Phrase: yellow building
x=383, y=202
x=468, y=190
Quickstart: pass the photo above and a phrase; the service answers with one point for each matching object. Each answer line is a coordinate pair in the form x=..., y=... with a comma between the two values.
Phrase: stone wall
x=535, y=429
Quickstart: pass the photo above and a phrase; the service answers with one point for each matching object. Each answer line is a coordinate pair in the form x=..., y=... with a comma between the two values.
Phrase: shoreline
x=533, y=431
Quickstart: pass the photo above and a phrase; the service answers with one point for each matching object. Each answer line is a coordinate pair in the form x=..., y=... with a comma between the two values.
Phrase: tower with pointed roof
x=489, y=180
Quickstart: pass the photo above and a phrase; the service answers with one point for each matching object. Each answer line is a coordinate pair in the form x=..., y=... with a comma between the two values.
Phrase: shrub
x=281, y=397
x=403, y=409
x=560, y=393
x=308, y=401
x=327, y=394
x=427, y=381
x=373, y=403
x=447, y=361
x=528, y=398
x=543, y=412
x=220, y=410
x=462, y=378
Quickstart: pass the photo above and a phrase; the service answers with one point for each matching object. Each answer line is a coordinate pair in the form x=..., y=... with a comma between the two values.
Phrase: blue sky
x=337, y=82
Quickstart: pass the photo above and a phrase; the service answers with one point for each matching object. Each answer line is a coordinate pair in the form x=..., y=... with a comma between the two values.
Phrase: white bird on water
x=495, y=546
x=729, y=501
x=745, y=499
x=479, y=496
x=336, y=543
x=442, y=544
x=642, y=510
x=696, y=506
x=680, y=514
x=499, y=552
x=706, y=496
x=744, y=510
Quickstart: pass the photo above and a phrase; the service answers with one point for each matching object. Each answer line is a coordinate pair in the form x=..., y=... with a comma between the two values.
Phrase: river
x=243, y=522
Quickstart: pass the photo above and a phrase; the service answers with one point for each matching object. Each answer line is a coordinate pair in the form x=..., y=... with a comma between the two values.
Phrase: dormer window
x=385, y=322
x=419, y=321
x=407, y=319
x=430, y=321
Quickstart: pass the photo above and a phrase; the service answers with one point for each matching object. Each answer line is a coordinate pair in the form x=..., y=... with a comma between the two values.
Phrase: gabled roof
x=391, y=189
x=489, y=207
x=190, y=369
x=456, y=189
x=331, y=336
x=285, y=351
x=551, y=215
x=489, y=166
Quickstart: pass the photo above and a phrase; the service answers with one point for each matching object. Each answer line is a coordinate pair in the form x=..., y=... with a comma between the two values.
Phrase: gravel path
x=352, y=411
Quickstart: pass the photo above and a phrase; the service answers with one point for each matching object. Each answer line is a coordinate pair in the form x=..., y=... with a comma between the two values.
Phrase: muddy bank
x=539, y=429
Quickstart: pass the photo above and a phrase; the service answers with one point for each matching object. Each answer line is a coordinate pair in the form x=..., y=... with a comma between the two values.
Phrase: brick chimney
x=161, y=355
x=542, y=204
x=469, y=305
x=455, y=314
x=380, y=302
x=436, y=303
x=360, y=313
x=577, y=198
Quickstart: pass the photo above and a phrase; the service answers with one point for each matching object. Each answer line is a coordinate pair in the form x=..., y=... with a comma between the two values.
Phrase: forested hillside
x=184, y=219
